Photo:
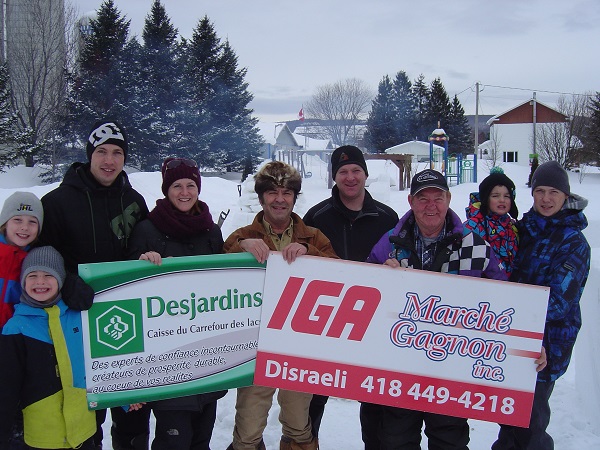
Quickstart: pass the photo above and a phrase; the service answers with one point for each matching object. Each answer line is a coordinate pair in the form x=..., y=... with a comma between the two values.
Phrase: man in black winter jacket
x=88, y=219
x=354, y=222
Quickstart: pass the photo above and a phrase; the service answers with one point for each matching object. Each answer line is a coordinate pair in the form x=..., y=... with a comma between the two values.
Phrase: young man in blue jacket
x=553, y=252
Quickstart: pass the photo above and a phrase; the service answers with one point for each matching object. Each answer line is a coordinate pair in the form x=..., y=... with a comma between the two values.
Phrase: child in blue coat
x=42, y=371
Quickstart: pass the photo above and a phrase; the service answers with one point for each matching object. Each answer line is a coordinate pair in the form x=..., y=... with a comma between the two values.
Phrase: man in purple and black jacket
x=430, y=237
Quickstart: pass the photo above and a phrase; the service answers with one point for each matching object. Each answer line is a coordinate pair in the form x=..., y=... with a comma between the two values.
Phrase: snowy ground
x=575, y=422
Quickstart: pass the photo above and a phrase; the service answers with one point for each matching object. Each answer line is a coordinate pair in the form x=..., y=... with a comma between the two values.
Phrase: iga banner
x=420, y=340
x=186, y=327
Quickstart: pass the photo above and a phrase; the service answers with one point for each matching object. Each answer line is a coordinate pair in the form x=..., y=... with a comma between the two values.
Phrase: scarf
x=172, y=222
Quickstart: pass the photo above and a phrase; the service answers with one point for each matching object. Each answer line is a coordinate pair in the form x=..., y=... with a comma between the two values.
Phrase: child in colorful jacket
x=21, y=218
x=492, y=213
x=42, y=371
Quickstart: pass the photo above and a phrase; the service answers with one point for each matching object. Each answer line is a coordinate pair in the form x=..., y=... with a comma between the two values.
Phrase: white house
x=278, y=137
x=512, y=132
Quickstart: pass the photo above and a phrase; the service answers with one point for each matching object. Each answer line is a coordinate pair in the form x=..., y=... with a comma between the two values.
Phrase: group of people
x=95, y=215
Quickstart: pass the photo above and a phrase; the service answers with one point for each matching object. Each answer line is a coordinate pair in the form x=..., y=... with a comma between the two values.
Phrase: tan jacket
x=317, y=242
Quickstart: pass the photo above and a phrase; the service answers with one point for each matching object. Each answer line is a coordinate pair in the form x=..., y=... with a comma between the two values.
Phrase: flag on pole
x=301, y=114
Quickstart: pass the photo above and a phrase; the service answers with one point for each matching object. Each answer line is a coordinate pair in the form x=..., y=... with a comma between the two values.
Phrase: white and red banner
x=426, y=341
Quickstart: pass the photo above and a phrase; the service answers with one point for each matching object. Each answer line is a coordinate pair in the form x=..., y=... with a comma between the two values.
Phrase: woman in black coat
x=180, y=225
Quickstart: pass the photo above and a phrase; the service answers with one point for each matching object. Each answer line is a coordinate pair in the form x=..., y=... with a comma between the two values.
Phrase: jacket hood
x=571, y=216
x=575, y=202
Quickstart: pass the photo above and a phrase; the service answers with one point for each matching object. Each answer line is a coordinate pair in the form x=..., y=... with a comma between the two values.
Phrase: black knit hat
x=174, y=169
x=107, y=131
x=551, y=174
x=347, y=154
x=489, y=183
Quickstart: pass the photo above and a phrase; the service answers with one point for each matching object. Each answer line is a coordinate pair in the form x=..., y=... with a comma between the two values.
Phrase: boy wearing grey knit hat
x=19, y=209
x=42, y=372
x=550, y=188
x=39, y=290
x=551, y=174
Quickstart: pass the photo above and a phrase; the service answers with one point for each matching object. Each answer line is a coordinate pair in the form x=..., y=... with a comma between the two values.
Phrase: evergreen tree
x=100, y=78
x=593, y=128
x=201, y=55
x=421, y=128
x=438, y=107
x=237, y=136
x=160, y=90
x=381, y=133
x=404, y=107
x=9, y=132
x=459, y=130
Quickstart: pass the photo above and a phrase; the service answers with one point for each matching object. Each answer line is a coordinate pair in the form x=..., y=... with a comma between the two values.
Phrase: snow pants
x=401, y=430
x=535, y=437
x=184, y=429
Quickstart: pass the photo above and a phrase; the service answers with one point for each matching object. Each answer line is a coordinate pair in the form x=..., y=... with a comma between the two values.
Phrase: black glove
x=76, y=293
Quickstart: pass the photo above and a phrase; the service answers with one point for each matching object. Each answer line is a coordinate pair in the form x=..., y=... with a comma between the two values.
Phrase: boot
x=260, y=446
x=288, y=444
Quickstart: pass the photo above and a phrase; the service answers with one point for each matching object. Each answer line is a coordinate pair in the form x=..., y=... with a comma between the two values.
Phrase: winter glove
x=76, y=293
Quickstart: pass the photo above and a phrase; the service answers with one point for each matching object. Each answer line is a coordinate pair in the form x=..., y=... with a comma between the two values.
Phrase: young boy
x=21, y=220
x=42, y=370
x=492, y=214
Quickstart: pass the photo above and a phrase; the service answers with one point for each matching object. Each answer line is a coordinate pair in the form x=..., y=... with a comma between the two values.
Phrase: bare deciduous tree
x=494, y=150
x=561, y=141
x=38, y=45
x=341, y=106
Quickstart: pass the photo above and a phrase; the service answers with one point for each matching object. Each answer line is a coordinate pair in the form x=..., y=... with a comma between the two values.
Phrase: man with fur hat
x=553, y=252
x=353, y=221
x=275, y=228
x=89, y=218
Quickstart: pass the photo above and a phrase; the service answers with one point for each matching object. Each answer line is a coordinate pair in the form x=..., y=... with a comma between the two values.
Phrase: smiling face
x=350, y=180
x=107, y=163
x=430, y=207
x=183, y=194
x=547, y=200
x=277, y=205
x=41, y=286
x=21, y=230
x=500, y=200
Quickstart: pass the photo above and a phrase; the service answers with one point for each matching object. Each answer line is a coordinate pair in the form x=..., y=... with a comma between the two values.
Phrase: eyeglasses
x=172, y=164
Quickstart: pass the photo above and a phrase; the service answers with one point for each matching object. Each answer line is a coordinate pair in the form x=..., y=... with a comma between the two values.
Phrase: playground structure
x=456, y=168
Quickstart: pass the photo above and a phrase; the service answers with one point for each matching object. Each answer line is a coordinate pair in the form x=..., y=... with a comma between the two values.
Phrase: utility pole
x=476, y=132
x=534, y=103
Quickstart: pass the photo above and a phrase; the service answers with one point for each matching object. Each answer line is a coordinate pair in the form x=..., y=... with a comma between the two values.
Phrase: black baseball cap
x=428, y=178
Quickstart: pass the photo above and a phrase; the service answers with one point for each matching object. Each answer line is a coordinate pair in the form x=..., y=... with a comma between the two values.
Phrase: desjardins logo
x=116, y=328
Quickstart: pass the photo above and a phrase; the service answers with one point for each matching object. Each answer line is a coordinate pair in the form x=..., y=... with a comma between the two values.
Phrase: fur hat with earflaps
x=276, y=174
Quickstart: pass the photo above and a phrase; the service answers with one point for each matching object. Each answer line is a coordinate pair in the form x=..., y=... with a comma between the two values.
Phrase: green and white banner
x=186, y=327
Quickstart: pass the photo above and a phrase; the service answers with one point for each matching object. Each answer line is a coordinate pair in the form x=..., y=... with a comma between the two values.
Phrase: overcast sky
x=511, y=47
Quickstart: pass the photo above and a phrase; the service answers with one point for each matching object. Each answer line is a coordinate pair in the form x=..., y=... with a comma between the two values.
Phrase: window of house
x=510, y=156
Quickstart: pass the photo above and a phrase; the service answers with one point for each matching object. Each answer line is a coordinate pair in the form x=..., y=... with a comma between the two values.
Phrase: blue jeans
x=535, y=437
